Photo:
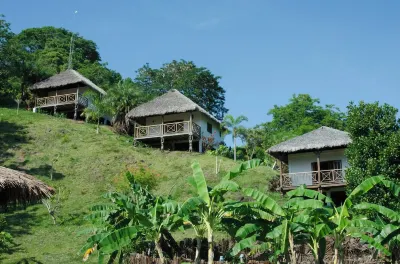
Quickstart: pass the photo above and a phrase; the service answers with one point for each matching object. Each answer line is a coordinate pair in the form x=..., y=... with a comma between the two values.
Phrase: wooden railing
x=61, y=99
x=328, y=177
x=169, y=129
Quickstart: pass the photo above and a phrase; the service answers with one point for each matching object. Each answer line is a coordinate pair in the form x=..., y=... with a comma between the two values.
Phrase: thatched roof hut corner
x=19, y=187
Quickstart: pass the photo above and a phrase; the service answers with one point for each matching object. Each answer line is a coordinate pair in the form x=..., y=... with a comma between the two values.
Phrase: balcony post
x=55, y=103
x=319, y=169
x=190, y=133
x=281, y=173
x=76, y=104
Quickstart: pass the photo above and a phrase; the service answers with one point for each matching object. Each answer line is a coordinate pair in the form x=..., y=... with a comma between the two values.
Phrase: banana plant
x=138, y=216
x=286, y=224
x=209, y=204
x=348, y=224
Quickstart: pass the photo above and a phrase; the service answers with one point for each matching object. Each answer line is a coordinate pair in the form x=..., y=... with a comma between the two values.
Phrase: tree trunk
x=234, y=147
x=197, y=259
x=293, y=258
x=210, y=239
x=336, y=257
x=159, y=251
x=98, y=126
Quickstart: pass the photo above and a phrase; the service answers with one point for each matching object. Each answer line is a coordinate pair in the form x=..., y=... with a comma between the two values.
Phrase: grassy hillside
x=86, y=166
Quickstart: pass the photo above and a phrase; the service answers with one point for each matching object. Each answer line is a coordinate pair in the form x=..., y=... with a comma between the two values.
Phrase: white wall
x=301, y=162
x=198, y=117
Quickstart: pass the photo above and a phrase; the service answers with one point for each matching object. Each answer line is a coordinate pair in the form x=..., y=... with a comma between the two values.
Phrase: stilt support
x=162, y=144
x=190, y=143
x=76, y=112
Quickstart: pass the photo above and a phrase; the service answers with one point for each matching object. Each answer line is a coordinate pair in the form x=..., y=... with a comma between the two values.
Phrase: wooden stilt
x=162, y=143
x=319, y=170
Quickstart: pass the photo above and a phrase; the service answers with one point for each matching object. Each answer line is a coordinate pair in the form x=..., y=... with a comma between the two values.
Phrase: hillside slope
x=85, y=166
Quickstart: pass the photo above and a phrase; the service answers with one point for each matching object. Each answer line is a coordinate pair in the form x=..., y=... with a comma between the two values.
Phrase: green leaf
x=224, y=186
x=201, y=183
x=245, y=230
x=242, y=167
x=266, y=201
x=389, y=213
x=303, y=192
x=243, y=244
x=117, y=239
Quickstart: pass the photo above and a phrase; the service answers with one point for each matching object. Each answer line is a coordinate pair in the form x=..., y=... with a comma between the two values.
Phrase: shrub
x=144, y=175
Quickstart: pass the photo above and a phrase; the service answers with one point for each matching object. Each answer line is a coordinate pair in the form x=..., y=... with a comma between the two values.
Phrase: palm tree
x=233, y=124
x=96, y=109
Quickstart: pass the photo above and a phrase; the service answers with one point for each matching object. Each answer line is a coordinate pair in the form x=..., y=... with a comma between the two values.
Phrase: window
x=327, y=165
x=209, y=128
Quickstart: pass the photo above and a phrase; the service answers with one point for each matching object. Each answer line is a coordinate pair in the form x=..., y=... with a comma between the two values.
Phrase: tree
x=38, y=53
x=96, y=109
x=301, y=115
x=136, y=218
x=121, y=98
x=197, y=83
x=375, y=149
x=5, y=36
x=233, y=125
x=253, y=139
x=210, y=206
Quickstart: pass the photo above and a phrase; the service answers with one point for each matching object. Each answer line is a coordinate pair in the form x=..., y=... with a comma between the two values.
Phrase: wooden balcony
x=62, y=99
x=328, y=178
x=169, y=129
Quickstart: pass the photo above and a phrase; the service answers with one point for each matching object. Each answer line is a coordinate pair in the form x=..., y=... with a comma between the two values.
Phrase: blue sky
x=265, y=51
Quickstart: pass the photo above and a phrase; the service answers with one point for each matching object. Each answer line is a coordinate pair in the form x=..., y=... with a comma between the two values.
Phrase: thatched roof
x=20, y=187
x=64, y=78
x=171, y=102
x=318, y=139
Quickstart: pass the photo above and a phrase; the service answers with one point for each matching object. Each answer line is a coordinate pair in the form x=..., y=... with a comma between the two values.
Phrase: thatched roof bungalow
x=316, y=159
x=63, y=92
x=323, y=138
x=175, y=120
x=19, y=187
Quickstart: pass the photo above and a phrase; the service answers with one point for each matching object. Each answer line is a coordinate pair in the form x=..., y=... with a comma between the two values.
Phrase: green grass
x=86, y=165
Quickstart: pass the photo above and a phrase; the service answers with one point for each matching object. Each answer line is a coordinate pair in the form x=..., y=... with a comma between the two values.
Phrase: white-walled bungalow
x=316, y=159
x=173, y=121
x=63, y=93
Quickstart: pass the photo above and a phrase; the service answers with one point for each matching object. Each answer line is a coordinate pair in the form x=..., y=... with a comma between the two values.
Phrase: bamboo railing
x=336, y=176
x=62, y=99
x=168, y=129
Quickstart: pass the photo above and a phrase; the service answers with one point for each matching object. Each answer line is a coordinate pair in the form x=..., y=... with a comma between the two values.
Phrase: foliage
x=208, y=208
x=253, y=139
x=6, y=240
x=143, y=174
x=38, y=53
x=97, y=108
x=234, y=125
x=121, y=98
x=374, y=128
x=88, y=163
x=55, y=202
x=302, y=114
x=138, y=215
x=209, y=142
x=197, y=83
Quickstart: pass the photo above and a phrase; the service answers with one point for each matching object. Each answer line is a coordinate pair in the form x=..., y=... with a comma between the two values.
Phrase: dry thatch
x=18, y=187
x=171, y=102
x=64, y=78
x=318, y=139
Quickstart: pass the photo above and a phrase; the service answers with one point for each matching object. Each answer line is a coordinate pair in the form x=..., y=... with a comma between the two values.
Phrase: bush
x=144, y=175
